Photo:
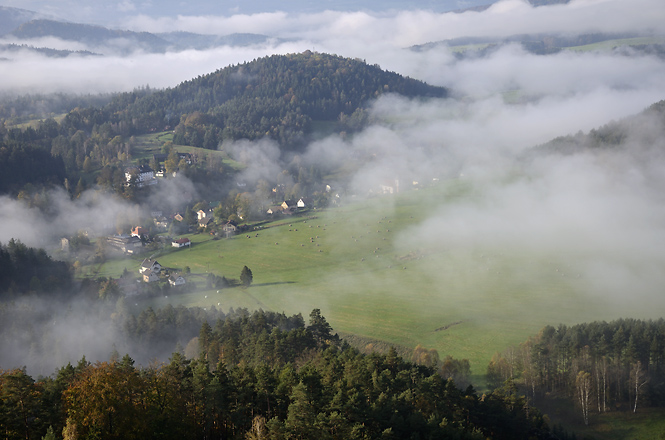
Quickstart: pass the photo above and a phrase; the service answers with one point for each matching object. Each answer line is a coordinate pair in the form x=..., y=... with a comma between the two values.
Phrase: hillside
x=190, y=40
x=544, y=44
x=277, y=96
x=11, y=50
x=90, y=35
x=637, y=134
x=11, y=18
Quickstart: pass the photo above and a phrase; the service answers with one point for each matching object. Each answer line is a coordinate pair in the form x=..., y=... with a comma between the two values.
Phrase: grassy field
x=645, y=424
x=611, y=44
x=360, y=266
x=34, y=123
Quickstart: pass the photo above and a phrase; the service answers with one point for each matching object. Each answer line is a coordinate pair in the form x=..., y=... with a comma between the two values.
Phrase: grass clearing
x=149, y=144
x=612, y=44
x=623, y=424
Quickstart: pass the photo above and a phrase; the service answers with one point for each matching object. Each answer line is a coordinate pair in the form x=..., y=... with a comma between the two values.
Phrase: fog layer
x=596, y=213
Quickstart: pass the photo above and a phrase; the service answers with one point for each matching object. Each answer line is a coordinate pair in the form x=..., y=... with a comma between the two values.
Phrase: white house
x=304, y=202
x=150, y=265
x=181, y=242
x=176, y=280
x=143, y=174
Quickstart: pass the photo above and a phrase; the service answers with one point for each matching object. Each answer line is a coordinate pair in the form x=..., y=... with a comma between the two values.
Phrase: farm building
x=125, y=243
x=205, y=222
x=181, y=242
x=230, y=228
x=289, y=205
x=274, y=210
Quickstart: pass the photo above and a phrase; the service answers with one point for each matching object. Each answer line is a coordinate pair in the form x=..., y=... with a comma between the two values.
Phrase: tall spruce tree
x=246, y=276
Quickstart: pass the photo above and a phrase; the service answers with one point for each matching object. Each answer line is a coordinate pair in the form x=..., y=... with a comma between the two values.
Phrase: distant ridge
x=52, y=53
x=189, y=40
x=91, y=35
x=103, y=39
x=11, y=18
x=540, y=44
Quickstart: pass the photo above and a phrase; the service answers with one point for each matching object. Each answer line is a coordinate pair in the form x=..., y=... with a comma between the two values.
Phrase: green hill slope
x=277, y=96
x=642, y=132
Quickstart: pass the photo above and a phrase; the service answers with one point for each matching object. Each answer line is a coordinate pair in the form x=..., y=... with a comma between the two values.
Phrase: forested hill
x=277, y=96
x=642, y=132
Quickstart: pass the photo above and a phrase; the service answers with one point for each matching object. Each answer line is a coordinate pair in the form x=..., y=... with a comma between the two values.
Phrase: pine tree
x=246, y=276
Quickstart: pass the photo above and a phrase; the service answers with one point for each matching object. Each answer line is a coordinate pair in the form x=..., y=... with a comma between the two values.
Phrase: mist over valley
x=446, y=180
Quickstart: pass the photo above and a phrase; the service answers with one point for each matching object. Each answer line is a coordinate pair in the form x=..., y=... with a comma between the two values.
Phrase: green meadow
x=611, y=44
x=371, y=270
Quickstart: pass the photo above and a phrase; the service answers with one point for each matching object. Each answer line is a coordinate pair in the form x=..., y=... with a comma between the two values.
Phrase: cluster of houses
x=150, y=271
x=289, y=207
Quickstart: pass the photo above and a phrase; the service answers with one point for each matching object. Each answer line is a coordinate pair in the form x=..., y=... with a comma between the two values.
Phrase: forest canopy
x=277, y=97
x=310, y=386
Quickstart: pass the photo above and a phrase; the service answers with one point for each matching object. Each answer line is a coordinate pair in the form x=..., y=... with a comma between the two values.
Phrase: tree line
x=314, y=386
x=600, y=365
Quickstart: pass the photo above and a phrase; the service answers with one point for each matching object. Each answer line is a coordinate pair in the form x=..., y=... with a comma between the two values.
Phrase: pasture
x=612, y=44
x=373, y=272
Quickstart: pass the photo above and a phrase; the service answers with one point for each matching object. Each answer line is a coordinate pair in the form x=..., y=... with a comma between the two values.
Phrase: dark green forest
x=22, y=164
x=27, y=269
x=276, y=97
x=278, y=379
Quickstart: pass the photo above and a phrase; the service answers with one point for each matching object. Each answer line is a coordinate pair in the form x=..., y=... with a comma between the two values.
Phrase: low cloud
x=595, y=215
x=261, y=160
x=95, y=212
x=381, y=38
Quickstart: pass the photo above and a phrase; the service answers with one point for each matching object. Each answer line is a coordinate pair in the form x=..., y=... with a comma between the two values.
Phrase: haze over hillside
x=504, y=103
x=598, y=210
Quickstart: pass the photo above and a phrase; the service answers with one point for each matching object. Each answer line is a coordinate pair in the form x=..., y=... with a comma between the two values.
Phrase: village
x=162, y=230
x=154, y=239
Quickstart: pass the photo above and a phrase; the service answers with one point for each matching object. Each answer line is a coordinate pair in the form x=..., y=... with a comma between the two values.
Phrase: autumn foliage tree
x=109, y=400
